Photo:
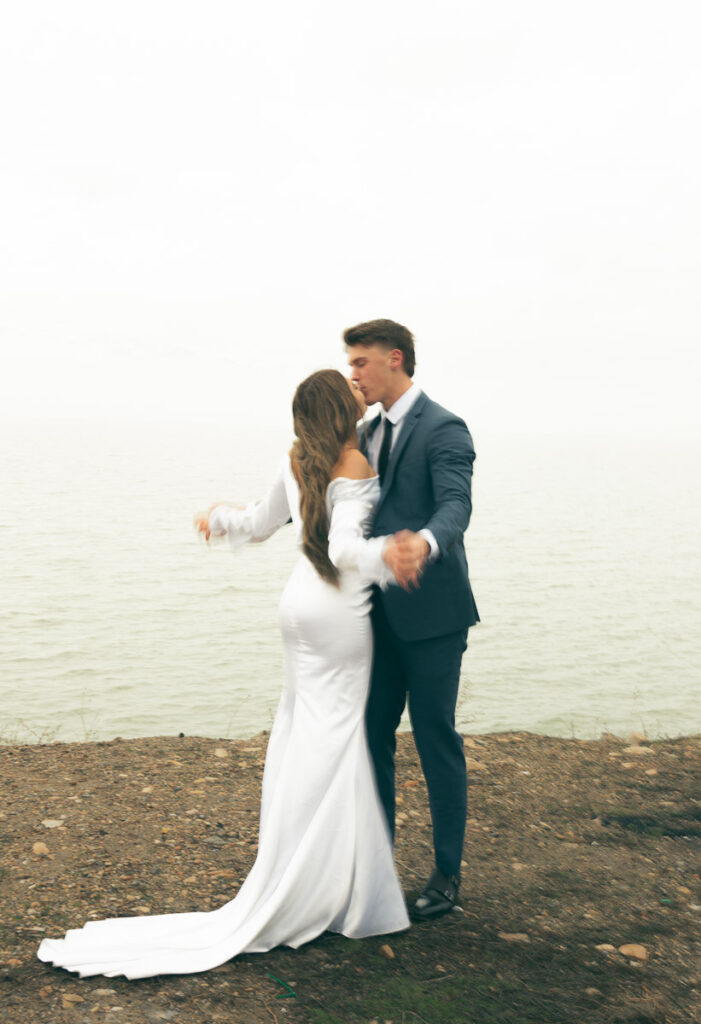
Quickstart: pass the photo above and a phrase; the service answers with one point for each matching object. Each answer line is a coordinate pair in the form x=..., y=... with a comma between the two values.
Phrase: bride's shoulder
x=352, y=465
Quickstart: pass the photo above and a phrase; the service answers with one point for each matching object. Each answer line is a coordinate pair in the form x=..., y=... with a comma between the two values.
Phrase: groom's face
x=371, y=369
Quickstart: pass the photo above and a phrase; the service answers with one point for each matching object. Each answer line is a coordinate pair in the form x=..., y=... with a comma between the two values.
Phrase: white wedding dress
x=324, y=856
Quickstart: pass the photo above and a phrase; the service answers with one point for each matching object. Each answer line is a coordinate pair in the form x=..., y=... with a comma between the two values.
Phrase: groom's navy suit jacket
x=427, y=484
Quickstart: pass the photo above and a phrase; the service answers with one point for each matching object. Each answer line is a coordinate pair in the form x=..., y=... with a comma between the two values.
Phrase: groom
x=424, y=456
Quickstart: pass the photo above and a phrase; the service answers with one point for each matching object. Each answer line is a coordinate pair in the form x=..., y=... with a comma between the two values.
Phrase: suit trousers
x=427, y=672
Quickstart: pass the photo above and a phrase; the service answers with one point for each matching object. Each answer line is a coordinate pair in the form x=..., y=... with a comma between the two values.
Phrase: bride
x=324, y=856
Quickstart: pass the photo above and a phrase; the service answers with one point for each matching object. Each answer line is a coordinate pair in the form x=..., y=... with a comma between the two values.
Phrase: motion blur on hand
x=202, y=524
x=406, y=554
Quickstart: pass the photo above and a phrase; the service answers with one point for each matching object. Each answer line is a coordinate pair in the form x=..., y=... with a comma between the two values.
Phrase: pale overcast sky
x=196, y=198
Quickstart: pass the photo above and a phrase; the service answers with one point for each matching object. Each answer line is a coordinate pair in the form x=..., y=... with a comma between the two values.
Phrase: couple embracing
x=376, y=612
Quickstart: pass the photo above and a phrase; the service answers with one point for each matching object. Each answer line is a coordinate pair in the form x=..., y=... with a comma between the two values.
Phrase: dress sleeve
x=258, y=520
x=349, y=549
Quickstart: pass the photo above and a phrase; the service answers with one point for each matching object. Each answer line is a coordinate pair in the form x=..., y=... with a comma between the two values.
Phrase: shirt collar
x=396, y=413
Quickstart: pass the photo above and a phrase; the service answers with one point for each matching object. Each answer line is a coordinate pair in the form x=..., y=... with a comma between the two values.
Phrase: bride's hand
x=202, y=518
x=202, y=524
x=392, y=557
x=405, y=553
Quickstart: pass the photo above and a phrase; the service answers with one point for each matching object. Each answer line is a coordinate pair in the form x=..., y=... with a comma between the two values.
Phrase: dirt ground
x=580, y=889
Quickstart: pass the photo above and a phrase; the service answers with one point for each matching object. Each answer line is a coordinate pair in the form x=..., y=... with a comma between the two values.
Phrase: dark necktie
x=384, y=449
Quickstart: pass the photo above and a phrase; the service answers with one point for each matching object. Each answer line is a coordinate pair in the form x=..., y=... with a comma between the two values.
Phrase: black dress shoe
x=439, y=897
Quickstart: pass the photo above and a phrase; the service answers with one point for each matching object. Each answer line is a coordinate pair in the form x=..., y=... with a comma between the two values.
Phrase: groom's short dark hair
x=386, y=333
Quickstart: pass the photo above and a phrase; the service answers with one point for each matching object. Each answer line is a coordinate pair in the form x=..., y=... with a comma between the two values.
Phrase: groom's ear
x=396, y=359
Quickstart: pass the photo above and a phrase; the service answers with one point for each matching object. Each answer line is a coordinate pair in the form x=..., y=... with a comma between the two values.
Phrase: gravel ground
x=580, y=896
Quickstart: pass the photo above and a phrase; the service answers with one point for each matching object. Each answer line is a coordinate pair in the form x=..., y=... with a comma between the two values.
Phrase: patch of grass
x=322, y=1017
x=683, y=822
x=21, y=733
x=455, y=999
x=506, y=985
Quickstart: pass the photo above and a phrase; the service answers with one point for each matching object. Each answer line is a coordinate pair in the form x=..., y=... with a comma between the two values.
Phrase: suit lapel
x=410, y=421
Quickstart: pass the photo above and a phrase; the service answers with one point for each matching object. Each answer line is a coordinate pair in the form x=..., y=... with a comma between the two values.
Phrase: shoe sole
x=419, y=918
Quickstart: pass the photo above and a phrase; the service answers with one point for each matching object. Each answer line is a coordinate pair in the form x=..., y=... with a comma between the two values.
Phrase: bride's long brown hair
x=325, y=415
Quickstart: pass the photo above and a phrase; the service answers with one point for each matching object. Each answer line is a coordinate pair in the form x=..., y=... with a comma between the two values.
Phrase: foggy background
x=196, y=199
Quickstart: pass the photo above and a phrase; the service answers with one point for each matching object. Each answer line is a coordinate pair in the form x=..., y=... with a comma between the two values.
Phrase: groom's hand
x=406, y=555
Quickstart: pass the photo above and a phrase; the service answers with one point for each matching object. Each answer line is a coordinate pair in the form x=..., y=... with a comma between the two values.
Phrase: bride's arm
x=349, y=549
x=256, y=522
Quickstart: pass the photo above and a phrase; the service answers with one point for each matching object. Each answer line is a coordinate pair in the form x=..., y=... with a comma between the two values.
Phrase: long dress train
x=324, y=856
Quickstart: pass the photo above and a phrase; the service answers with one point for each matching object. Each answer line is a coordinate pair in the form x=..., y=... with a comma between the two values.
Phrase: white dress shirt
x=396, y=414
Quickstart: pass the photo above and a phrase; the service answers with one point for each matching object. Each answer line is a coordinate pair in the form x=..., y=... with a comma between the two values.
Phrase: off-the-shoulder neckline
x=349, y=479
x=355, y=479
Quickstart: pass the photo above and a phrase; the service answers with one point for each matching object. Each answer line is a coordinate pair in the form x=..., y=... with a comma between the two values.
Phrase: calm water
x=115, y=620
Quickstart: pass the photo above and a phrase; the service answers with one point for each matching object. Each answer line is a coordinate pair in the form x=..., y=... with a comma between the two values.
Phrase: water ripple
x=114, y=619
